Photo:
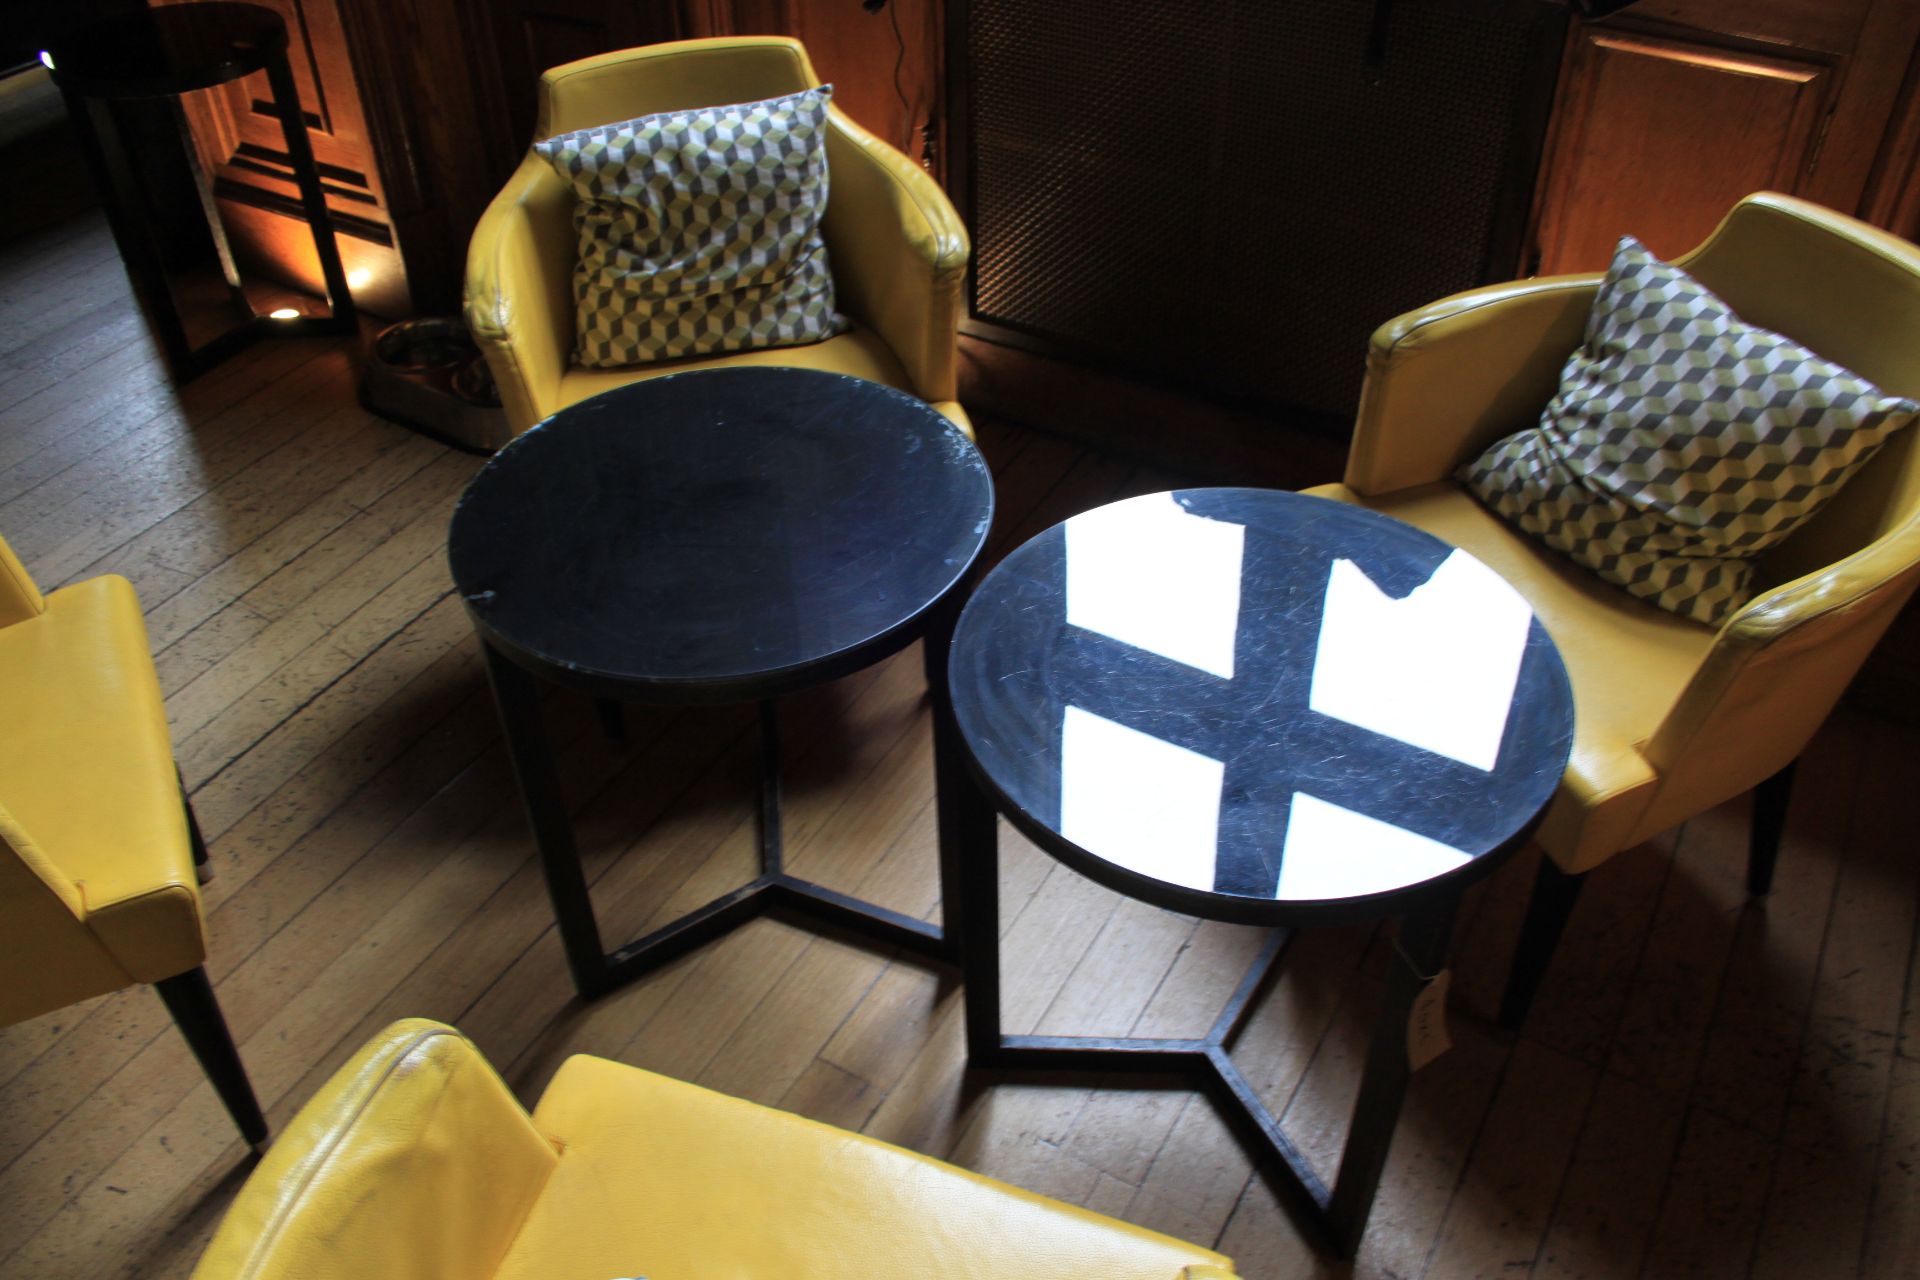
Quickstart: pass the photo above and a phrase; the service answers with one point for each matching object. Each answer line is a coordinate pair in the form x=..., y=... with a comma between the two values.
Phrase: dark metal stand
x=968, y=826
x=121, y=192
x=597, y=970
x=189, y=998
x=1770, y=801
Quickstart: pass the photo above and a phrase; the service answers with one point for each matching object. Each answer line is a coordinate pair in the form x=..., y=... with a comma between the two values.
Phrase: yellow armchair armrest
x=413, y=1162
x=1449, y=379
x=1774, y=672
x=519, y=299
x=899, y=254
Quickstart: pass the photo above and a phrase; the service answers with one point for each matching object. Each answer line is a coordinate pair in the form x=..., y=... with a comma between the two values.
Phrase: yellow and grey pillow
x=699, y=230
x=1683, y=442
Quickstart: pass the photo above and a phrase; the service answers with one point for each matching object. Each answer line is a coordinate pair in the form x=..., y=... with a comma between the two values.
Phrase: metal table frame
x=87, y=105
x=968, y=825
x=597, y=970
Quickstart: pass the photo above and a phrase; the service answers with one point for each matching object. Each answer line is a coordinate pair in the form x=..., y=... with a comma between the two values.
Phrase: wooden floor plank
x=1609, y=1204
x=1753, y=1046
x=1823, y=1178
x=1893, y=1224
x=1498, y=1217
x=1707, y=1086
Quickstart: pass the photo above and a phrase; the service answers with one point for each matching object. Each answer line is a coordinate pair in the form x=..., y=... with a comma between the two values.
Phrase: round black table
x=1256, y=707
x=715, y=536
x=162, y=53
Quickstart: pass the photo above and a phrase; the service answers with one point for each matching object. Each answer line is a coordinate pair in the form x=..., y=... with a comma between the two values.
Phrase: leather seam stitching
x=324, y=1155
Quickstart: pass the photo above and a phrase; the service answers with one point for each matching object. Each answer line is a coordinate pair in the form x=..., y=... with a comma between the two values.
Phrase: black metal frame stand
x=969, y=825
x=120, y=189
x=596, y=970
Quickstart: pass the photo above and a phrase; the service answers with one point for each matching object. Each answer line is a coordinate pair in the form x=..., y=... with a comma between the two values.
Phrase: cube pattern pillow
x=1683, y=442
x=699, y=230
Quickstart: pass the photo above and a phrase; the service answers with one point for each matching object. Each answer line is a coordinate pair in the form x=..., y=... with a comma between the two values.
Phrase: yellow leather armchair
x=1672, y=717
x=414, y=1162
x=898, y=249
x=98, y=846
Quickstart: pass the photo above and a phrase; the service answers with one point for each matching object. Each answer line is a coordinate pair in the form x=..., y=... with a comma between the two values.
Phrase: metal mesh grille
x=1222, y=190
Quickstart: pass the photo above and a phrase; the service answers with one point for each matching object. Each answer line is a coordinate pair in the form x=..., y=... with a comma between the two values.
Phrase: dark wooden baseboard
x=1182, y=433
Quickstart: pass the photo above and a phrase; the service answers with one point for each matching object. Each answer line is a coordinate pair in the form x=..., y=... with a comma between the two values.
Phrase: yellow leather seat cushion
x=1627, y=660
x=86, y=771
x=666, y=1180
x=860, y=353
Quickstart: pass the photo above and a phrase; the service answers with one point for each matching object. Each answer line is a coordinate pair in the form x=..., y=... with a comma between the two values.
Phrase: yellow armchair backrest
x=1851, y=293
x=670, y=77
x=1449, y=379
x=413, y=1162
x=898, y=248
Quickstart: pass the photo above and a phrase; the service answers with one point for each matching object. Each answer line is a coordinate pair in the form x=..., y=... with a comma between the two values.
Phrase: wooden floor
x=1707, y=1086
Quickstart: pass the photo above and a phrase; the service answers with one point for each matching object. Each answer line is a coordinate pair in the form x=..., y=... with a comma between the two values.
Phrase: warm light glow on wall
x=358, y=278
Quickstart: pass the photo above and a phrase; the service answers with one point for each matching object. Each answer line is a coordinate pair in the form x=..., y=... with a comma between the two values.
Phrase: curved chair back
x=669, y=77
x=1850, y=293
x=899, y=251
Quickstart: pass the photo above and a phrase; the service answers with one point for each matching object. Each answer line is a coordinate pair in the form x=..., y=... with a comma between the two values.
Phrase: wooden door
x=1672, y=110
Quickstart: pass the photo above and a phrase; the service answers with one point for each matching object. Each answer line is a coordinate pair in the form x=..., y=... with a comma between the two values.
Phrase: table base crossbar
x=1336, y=1212
x=1202, y=1063
x=800, y=901
x=597, y=971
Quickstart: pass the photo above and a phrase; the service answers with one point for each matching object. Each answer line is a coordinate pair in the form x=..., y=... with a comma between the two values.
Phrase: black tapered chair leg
x=202, y=866
x=1770, y=800
x=189, y=998
x=1554, y=893
x=613, y=720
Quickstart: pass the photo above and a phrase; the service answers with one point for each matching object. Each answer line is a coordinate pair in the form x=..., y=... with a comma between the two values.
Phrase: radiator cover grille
x=1225, y=191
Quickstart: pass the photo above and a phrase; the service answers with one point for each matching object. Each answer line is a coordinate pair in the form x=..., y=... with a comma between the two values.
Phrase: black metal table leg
x=1418, y=956
x=210, y=211
x=106, y=155
x=771, y=850
x=517, y=697
x=970, y=872
x=965, y=819
x=313, y=200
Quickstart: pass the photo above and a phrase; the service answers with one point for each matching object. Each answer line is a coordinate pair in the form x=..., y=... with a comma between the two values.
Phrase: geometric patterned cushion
x=1683, y=442
x=699, y=230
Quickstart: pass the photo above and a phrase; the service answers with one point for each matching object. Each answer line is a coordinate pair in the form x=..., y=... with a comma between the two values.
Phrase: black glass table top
x=1255, y=705
x=721, y=534
x=175, y=48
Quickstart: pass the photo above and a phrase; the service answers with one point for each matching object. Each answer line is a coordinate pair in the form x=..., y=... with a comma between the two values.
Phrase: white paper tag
x=1427, y=1023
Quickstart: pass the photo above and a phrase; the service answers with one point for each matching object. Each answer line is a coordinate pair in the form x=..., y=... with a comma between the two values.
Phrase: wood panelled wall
x=449, y=88
x=1666, y=112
